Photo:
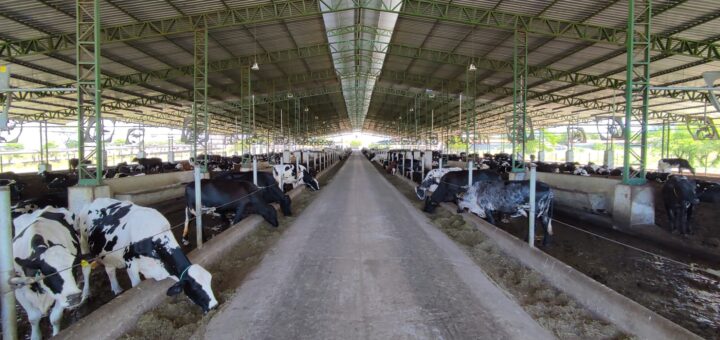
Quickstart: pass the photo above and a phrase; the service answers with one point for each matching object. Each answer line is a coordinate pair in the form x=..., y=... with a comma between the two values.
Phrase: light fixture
x=255, y=66
x=472, y=67
x=307, y=109
x=289, y=95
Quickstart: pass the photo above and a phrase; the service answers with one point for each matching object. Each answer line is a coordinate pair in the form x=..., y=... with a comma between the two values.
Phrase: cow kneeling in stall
x=510, y=198
x=124, y=235
x=679, y=197
x=288, y=174
x=46, y=248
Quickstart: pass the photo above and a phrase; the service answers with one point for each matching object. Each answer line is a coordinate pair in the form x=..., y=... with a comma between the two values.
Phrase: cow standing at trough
x=149, y=165
x=124, y=235
x=431, y=181
x=679, y=197
x=288, y=174
x=271, y=192
x=454, y=184
x=510, y=198
x=222, y=197
x=46, y=247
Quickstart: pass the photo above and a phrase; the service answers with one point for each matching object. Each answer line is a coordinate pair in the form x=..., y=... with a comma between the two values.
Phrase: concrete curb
x=120, y=315
x=628, y=315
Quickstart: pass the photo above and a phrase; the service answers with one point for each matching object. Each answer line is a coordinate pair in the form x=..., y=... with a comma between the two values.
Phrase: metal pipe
x=254, y=165
x=470, y=173
x=412, y=159
x=7, y=294
x=531, y=215
x=422, y=167
x=198, y=206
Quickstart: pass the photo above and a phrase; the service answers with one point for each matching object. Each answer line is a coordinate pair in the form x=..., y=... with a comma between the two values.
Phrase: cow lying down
x=124, y=235
x=510, y=198
x=45, y=246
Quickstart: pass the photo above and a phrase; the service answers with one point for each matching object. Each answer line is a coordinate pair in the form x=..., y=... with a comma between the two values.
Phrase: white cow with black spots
x=124, y=235
x=46, y=248
x=431, y=181
x=288, y=174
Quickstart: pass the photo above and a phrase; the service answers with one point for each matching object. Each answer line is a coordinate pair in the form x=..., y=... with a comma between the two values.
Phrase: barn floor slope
x=361, y=262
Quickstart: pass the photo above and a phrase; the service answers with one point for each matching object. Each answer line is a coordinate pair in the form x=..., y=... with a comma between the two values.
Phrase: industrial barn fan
x=610, y=128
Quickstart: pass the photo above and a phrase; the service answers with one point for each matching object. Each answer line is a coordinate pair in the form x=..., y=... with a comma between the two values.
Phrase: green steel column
x=518, y=132
x=201, y=126
x=471, y=91
x=638, y=45
x=89, y=89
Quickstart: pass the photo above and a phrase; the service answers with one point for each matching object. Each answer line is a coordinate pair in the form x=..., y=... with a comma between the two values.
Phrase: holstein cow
x=271, y=193
x=31, y=205
x=46, y=246
x=707, y=192
x=222, y=197
x=453, y=184
x=666, y=165
x=124, y=235
x=431, y=181
x=510, y=198
x=678, y=194
x=287, y=174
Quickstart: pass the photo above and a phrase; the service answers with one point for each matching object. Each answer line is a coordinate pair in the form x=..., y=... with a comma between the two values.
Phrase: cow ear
x=26, y=263
x=175, y=289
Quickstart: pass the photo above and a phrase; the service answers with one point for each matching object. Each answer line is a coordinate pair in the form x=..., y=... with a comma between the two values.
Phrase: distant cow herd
x=491, y=193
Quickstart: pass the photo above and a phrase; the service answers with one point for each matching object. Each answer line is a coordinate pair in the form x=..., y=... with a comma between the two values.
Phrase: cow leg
x=239, y=210
x=186, y=229
x=688, y=225
x=112, y=276
x=134, y=274
x=489, y=217
x=56, y=317
x=86, y=281
x=671, y=218
x=34, y=315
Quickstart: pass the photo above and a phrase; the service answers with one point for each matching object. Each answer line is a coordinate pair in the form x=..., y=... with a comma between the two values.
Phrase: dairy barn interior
x=359, y=169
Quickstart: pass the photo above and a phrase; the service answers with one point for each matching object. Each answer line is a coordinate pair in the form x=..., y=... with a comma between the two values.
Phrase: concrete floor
x=362, y=263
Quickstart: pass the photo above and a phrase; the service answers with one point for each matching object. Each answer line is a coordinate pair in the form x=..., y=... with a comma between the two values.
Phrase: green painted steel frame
x=200, y=112
x=89, y=100
x=518, y=134
x=638, y=85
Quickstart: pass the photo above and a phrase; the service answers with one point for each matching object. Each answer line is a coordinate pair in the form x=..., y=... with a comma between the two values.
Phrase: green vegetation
x=71, y=144
x=14, y=146
x=704, y=153
x=355, y=144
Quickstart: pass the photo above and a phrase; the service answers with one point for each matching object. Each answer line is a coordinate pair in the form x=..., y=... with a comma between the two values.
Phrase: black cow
x=58, y=180
x=265, y=181
x=222, y=196
x=149, y=165
x=659, y=177
x=510, y=198
x=547, y=167
x=678, y=194
x=666, y=164
x=707, y=192
x=454, y=184
x=16, y=188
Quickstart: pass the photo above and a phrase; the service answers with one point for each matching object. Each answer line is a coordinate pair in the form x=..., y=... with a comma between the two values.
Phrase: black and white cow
x=454, y=184
x=431, y=181
x=267, y=183
x=667, y=164
x=223, y=197
x=510, y=198
x=31, y=205
x=707, y=192
x=46, y=246
x=124, y=235
x=287, y=174
x=679, y=197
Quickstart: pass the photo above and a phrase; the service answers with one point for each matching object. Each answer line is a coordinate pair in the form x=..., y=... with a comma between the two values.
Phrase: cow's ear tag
x=84, y=263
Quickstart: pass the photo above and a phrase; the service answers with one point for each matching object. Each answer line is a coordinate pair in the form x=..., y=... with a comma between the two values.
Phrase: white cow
x=431, y=181
x=46, y=245
x=287, y=174
x=125, y=235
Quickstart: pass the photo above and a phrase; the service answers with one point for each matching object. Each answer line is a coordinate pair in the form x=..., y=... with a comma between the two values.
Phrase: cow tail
x=551, y=207
x=187, y=223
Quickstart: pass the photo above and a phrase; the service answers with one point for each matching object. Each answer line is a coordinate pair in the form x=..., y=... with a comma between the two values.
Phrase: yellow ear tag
x=3, y=68
x=84, y=263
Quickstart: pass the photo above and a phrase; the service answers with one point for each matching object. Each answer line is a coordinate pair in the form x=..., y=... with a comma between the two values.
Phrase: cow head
x=195, y=282
x=47, y=270
x=308, y=179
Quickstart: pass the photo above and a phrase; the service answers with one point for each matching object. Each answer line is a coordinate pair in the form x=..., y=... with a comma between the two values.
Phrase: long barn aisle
x=362, y=263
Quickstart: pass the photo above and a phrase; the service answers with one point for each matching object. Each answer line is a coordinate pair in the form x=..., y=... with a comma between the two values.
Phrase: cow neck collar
x=183, y=273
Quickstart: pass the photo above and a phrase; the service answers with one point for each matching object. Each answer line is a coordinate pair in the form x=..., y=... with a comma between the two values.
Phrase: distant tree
x=71, y=144
x=355, y=144
x=51, y=145
x=598, y=146
x=118, y=142
x=14, y=146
